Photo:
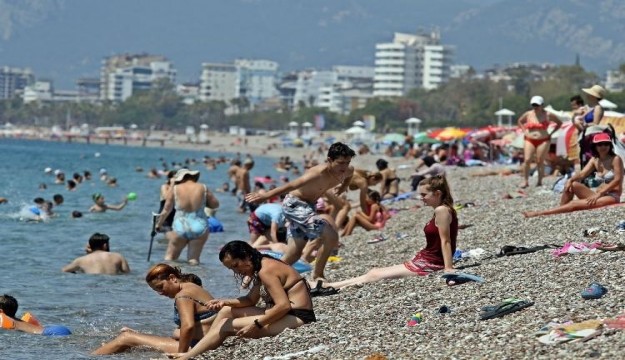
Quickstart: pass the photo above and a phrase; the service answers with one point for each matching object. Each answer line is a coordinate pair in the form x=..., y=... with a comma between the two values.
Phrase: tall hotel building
x=254, y=80
x=123, y=75
x=14, y=80
x=411, y=61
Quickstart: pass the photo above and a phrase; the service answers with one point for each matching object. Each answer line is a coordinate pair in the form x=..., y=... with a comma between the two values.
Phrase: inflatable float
x=215, y=225
x=300, y=266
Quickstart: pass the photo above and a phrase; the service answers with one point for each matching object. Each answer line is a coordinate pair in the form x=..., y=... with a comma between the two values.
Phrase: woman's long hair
x=595, y=153
x=241, y=250
x=163, y=271
x=439, y=182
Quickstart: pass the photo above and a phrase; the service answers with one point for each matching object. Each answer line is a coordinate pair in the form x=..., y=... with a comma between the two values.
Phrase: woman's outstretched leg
x=130, y=339
x=373, y=275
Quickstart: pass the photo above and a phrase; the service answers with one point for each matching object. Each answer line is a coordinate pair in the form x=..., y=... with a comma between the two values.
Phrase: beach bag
x=558, y=186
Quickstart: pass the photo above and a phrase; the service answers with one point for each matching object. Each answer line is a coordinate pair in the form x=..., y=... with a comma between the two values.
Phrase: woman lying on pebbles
x=440, y=235
x=608, y=169
x=284, y=291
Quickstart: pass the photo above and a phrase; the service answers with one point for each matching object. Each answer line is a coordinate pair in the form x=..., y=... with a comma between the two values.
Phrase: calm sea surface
x=95, y=307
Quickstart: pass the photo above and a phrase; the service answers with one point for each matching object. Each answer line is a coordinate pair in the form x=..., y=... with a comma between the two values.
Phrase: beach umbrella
x=393, y=138
x=451, y=133
x=423, y=138
x=354, y=130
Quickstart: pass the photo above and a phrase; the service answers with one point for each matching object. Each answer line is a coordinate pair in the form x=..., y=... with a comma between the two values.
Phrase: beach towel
x=403, y=196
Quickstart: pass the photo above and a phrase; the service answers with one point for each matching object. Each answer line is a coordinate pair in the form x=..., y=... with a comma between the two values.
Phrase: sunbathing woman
x=191, y=313
x=284, y=291
x=373, y=219
x=609, y=173
x=440, y=236
x=361, y=180
x=389, y=187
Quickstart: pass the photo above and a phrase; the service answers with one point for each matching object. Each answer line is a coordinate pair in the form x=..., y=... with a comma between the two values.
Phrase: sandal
x=460, y=278
x=594, y=291
x=377, y=239
x=319, y=290
x=507, y=307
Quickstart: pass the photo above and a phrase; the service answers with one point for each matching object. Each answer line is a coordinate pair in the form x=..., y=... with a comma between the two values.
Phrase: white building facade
x=257, y=79
x=411, y=61
x=219, y=82
x=123, y=75
x=14, y=81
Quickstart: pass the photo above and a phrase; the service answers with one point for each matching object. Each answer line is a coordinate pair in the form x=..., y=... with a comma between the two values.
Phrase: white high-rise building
x=123, y=75
x=219, y=82
x=257, y=79
x=411, y=61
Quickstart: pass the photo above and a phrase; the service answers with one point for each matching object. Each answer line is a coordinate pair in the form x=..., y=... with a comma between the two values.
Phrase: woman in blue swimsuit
x=190, y=224
x=191, y=313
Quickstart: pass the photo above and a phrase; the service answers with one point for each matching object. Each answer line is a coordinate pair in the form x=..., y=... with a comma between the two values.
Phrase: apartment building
x=411, y=61
x=14, y=80
x=257, y=79
x=123, y=75
x=219, y=82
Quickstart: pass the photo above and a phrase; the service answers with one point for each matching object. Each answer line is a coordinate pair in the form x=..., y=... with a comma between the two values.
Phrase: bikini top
x=198, y=316
x=533, y=123
x=264, y=294
x=590, y=116
x=605, y=178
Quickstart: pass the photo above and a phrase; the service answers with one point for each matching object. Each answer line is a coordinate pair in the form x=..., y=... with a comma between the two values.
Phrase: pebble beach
x=369, y=321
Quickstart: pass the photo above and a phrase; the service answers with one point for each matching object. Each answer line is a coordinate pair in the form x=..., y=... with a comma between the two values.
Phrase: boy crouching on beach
x=303, y=222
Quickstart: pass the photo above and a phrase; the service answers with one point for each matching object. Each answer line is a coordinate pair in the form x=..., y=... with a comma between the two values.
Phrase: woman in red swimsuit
x=440, y=236
x=535, y=124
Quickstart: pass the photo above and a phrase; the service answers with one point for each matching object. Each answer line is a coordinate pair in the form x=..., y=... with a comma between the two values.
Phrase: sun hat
x=596, y=91
x=601, y=137
x=537, y=100
x=184, y=172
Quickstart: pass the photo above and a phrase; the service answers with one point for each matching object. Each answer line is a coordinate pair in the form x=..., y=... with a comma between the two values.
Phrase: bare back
x=189, y=196
x=99, y=262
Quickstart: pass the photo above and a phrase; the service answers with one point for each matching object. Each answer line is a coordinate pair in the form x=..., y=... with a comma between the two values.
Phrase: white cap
x=102, y=171
x=537, y=100
x=47, y=170
x=57, y=171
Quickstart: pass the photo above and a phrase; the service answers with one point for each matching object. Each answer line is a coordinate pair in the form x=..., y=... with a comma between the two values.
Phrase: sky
x=67, y=39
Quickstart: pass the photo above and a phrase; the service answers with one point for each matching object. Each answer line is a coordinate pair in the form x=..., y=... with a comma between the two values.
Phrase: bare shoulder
x=442, y=212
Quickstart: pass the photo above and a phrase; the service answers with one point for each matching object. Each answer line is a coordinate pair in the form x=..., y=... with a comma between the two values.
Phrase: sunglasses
x=535, y=105
x=603, y=144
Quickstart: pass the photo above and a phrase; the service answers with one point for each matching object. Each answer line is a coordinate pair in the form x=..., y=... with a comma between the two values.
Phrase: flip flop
x=594, y=291
x=505, y=308
x=319, y=290
x=461, y=278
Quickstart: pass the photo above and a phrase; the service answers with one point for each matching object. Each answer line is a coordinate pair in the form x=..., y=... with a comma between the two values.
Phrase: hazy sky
x=66, y=39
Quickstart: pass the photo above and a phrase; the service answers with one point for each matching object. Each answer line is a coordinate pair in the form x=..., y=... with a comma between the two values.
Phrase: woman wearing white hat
x=190, y=226
x=535, y=125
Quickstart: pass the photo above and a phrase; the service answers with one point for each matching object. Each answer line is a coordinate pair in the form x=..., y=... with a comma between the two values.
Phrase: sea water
x=96, y=307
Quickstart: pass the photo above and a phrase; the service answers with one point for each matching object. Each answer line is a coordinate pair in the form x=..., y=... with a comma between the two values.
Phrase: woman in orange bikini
x=535, y=124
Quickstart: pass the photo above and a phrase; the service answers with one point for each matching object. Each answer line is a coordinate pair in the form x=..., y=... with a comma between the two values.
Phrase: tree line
x=465, y=102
